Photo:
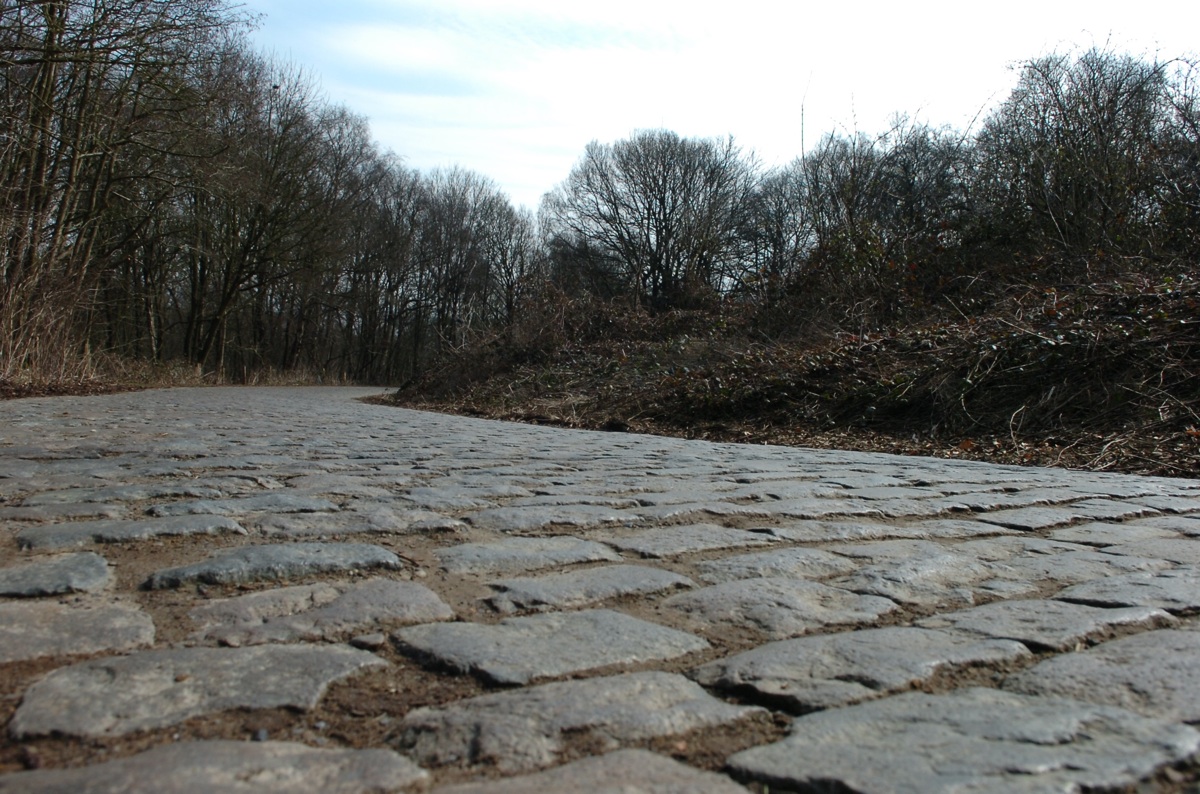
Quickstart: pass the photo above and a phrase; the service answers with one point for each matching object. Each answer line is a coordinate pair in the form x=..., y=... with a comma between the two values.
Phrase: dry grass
x=1100, y=377
x=108, y=375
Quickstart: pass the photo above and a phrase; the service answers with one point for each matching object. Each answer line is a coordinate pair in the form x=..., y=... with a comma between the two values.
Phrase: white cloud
x=516, y=88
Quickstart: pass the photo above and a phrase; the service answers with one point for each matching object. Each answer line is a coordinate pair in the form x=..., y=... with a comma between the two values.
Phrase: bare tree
x=80, y=82
x=1066, y=161
x=664, y=210
x=1175, y=230
x=515, y=263
x=777, y=235
x=465, y=230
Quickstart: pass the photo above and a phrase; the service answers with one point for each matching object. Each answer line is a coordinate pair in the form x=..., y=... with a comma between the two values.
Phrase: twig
x=1012, y=432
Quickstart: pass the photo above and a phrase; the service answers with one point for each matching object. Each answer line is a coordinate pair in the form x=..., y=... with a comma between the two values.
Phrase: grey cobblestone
x=276, y=502
x=63, y=573
x=829, y=670
x=529, y=728
x=276, y=562
x=1154, y=674
x=520, y=650
x=152, y=689
x=78, y=533
x=60, y=512
x=898, y=572
x=581, y=588
x=1178, y=550
x=1177, y=591
x=317, y=612
x=977, y=740
x=517, y=555
x=204, y=767
x=779, y=607
x=795, y=562
x=1046, y=625
x=621, y=772
x=528, y=519
x=35, y=629
x=117, y=493
x=673, y=541
x=1098, y=533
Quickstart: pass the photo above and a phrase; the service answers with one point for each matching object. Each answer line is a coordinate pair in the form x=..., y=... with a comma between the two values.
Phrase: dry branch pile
x=1102, y=376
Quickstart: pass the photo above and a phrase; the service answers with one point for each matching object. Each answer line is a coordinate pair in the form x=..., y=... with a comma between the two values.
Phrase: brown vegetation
x=1102, y=377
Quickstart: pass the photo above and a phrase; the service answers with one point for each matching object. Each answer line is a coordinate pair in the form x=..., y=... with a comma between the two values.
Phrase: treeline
x=169, y=195
x=1091, y=165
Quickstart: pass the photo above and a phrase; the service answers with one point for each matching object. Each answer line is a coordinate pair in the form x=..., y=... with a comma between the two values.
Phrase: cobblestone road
x=293, y=590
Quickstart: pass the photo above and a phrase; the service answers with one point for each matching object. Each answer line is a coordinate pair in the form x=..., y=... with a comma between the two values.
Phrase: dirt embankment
x=1099, y=377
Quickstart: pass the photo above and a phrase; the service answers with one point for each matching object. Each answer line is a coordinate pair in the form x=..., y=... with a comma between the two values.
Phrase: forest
x=171, y=199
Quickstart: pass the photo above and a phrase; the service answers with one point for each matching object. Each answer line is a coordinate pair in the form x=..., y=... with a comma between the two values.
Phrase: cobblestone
x=517, y=555
x=31, y=630
x=204, y=767
x=276, y=562
x=976, y=740
x=1154, y=674
x=622, y=772
x=322, y=576
x=64, y=573
x=582, y=588
x=1046, y=625
x=830, y=670
x=673, y=541
x=529, y=728
x=79, y=533
x=154, y=689
x=520, y=650
x=799, y=562
x=779, y=607
x=317, y=612
x=1177, y=591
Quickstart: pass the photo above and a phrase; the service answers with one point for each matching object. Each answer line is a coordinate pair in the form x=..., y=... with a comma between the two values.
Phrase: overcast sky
x=514, y=89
